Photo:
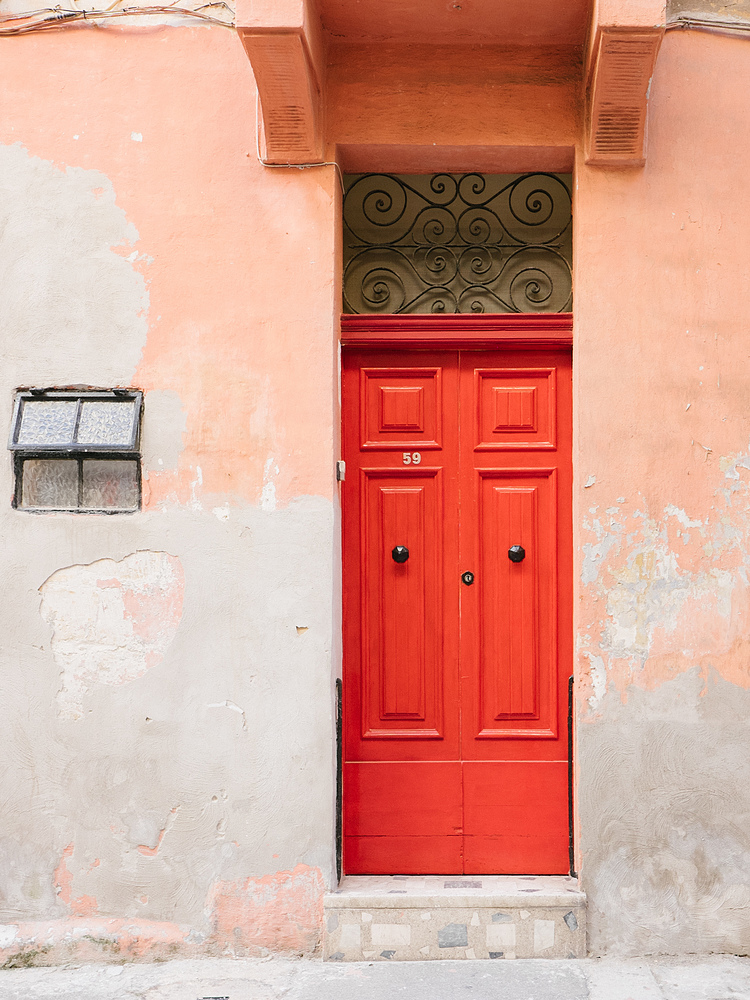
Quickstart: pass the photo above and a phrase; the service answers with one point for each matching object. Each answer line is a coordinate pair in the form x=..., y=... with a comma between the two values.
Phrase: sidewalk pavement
x=700, y=978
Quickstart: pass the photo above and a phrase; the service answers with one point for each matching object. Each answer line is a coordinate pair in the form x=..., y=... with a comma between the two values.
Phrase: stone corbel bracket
x=625, y=40
x=283, y=40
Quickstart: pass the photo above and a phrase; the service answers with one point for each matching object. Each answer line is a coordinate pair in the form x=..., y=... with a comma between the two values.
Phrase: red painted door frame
x=414, y=814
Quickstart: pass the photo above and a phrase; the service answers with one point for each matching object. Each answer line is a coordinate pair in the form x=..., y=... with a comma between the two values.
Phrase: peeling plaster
x=664, y=686
x=268, y=493
x=249, y=802
x=77, y=308
x=282, y=912
x=111, y=621
x=673, y=585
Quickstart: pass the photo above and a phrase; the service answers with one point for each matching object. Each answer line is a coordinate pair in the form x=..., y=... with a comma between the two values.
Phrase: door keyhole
x=467, y=578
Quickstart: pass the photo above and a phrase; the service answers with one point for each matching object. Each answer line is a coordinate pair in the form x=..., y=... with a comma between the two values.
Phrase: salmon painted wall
x=662, y=362
x=167, y=677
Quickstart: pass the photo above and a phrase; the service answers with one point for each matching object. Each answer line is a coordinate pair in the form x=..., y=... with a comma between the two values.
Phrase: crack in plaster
x=234, y=708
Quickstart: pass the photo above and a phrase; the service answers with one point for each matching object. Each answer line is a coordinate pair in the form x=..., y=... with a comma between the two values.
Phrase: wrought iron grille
x=457, y=243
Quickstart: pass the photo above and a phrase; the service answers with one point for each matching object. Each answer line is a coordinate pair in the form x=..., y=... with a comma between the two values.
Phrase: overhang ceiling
x=440, y=62
x=468, y=22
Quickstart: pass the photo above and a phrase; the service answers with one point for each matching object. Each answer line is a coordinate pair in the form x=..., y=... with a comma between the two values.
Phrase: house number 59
x=412, y=458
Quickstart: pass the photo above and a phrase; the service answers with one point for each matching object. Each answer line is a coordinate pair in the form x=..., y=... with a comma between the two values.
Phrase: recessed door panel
x=400, y=408
x=516, y=409
x=517, y=656
x=402, y=656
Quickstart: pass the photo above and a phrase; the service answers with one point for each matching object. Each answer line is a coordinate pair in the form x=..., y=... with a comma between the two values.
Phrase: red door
x=457, y=610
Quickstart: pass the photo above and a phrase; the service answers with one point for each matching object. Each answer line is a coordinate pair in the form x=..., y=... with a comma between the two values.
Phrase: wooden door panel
x=402, y=616
x=403, y=818
x=400, y=619
x=516, y=409
x=400, y=408
x=403, y=798
x=403, y=855
x=516, y=638
x=515, y=817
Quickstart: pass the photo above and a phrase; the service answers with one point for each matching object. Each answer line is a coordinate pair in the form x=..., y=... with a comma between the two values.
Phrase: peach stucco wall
x=169, y=773
x=184, y=800
x=662, y=362
x=238, y=259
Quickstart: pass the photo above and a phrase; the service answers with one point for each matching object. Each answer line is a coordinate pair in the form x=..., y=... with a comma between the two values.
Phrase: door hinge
x=340, y=471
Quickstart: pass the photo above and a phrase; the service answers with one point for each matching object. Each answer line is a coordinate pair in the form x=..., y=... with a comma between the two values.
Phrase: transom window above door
x=457, y=243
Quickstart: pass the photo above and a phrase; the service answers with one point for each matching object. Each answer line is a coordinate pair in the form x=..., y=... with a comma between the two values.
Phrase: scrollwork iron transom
x=457, y=243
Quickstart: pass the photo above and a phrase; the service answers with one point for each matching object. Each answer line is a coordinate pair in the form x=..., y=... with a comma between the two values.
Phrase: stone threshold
x=426, y=917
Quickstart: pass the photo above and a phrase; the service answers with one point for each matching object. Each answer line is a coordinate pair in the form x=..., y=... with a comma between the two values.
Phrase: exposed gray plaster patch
x=259, y=801
x=75, y=305
x=164, y=421
x=664, y=819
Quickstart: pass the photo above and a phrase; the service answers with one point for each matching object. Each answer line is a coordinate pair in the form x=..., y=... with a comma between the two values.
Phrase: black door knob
x=516, y=553
x=400, y=554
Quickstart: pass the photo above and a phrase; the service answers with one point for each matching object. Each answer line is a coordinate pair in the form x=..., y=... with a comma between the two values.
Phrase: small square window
x=77, y=451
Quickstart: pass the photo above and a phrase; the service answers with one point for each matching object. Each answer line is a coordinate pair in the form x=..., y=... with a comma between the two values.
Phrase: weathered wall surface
x=662, y=367
x=167, y=678
x=737, y=9
x=167, y=756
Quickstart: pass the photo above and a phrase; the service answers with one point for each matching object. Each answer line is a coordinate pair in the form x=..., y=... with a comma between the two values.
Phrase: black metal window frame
x=73, y=450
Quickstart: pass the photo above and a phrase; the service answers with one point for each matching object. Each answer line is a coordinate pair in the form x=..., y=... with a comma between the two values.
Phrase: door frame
x=480, y=330
x=476, y=330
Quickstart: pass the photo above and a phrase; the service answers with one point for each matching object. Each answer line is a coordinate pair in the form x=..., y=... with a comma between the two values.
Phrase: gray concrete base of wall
x=417, y=918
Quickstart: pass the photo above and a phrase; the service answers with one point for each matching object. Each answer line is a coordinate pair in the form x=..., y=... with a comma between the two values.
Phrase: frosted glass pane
x=47, y=421
x=106, y=423
x=110, y=484
x=50, y=482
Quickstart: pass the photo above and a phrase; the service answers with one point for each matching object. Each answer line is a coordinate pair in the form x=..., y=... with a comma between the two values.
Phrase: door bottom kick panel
x=403, y=855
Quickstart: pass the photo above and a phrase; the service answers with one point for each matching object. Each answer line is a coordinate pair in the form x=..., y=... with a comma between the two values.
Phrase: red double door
x=457, y=611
